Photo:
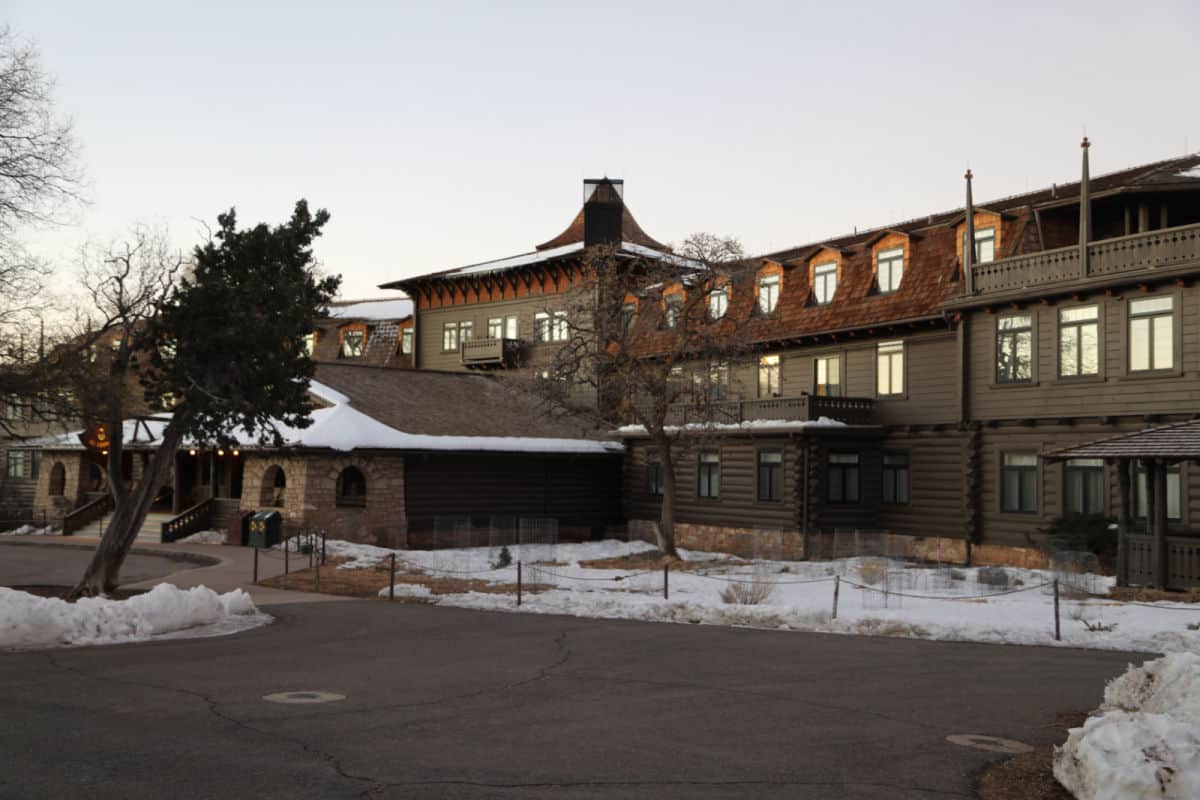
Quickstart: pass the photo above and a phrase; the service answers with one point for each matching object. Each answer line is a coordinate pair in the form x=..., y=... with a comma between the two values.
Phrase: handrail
x=805, y=407
x=86, y=514
x=197, y=518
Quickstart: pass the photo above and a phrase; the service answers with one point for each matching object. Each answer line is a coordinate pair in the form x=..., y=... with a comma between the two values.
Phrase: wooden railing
x=1183, y=560
x=490, y=352
x=1137, y=253
x=193, y=520
x=86, y=514
x=850, y=410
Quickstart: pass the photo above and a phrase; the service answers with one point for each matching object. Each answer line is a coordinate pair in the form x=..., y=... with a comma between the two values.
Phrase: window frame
x=1015, y=333
x=512, y=327
x=821, y=274
x=407, y=340
x=839, y=360
x=893, y=346
x=775, y=287
x=718, y=297
x=654, y=483
x=1019, y=470
x=778, y=470
x=891, y=256
x=1175, y=316
x=843, y=469
x=896, y=469
x=358, y=334
x=1140, y=499
x=448, y=328
x=1071, y=465
x=672, y=309
x=776, y=368
x=495, y=328
x=980, y=239
x=541, y=327
x=704, y=475
x=1079, y=325
x=18, y=465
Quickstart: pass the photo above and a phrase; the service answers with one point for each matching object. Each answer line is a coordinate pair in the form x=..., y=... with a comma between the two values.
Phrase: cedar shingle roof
x=1176, y=442
x=450, y=403
x=630, y=232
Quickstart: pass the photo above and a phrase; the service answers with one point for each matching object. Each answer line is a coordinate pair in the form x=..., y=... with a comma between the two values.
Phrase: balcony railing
x=491, y=353
x=1137, y=253
x=850, y=410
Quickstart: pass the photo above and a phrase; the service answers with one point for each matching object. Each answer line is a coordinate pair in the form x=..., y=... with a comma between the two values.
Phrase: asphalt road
x=27, y=564
x=444, y=702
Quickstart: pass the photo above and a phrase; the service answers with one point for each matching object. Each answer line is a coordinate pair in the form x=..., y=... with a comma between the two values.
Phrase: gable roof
x=388, y=308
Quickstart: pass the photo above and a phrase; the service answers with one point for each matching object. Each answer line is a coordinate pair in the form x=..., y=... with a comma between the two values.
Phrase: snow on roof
x=748, y=425
x=1193, y=172
x=538, y=256
x=340, y=426
x=397, y=308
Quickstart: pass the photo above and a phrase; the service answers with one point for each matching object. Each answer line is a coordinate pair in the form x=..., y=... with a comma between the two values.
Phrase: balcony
x=1136, y=255
x=850, y=410
x=491, y=353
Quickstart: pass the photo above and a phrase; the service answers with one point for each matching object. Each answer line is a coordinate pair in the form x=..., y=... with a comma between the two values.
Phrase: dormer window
x=889, y=269
x=718, y=302
x=768, y=292
x=352, y=344
x=628, y=315
x=985, y=244
x=672, y=307
x=825, y=278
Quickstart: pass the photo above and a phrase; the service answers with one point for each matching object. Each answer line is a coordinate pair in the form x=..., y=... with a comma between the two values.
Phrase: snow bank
x=204, y=537
x=1144, y=742
x=29, y=621
x=30, y=530
x=407, y=590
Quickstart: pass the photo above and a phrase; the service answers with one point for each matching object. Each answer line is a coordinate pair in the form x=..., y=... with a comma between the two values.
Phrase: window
x=985, y=244
x=1014, y=349
x=824, y=282
x=829, y=376
x=769, y=377
x=1079, y=341
x=510, y=327
x=550, y=327
x=768, y=293
x=628, y=315
x=718, y=302
x=675, y=380
x=654, y=478
x=352, y=344
x=895, y=478
x=449, y=337
x=672, y=306
x=1084, y=490
x=406, y=341
x=310, y=343
x=843, y=477
x=1151, y=334
x=495, y=329
x=20, y=464
x=466, y=331
x=708, y=475
x=541, y=327
x=889, y=369
x=770, y=476
x=1018, y=483
x=718, y=381
x=14, y=409
x=1142, y=491
x=889, y=269
x=559, y=327
x=351, y=488
x=273, y=487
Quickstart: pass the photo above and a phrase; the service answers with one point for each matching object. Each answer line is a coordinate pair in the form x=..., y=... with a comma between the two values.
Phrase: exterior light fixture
x=192, y=452
x=235, y=453
x=220, y=452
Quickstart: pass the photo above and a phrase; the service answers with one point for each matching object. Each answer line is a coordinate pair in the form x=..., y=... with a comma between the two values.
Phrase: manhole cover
x=993, y=744
x=303, y=697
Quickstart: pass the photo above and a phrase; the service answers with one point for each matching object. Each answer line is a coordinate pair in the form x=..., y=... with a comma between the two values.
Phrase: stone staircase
x=151, y=530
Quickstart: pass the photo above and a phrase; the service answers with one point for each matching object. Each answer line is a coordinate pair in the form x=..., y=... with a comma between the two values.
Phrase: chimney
x=603, y=210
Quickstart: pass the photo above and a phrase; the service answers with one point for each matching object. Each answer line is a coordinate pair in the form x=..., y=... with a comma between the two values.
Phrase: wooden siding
x=936, y=484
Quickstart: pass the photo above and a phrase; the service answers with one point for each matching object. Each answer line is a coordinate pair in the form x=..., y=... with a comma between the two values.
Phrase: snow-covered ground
x=28, y=621
x=1144, y=741
x=204, y=537
x=875, y=596
x=33, y=530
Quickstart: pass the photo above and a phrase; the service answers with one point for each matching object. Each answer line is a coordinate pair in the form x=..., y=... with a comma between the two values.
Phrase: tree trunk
x=666, y=524
x=103, y=573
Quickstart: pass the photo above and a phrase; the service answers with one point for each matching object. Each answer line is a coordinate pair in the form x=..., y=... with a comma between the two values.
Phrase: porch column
x=1158, y=475
x=1124, y=517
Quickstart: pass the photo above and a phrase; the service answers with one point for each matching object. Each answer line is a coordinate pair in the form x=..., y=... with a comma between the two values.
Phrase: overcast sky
x=444, y=134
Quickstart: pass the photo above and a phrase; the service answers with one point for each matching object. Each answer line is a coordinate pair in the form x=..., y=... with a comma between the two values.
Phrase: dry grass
x=1028, y=776
x=650, y=559
x=873, y=570
x=1142, y=595
x=369, y=582
x=747, y=594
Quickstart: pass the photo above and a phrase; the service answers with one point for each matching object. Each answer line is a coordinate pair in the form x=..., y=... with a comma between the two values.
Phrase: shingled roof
x=1177, y=442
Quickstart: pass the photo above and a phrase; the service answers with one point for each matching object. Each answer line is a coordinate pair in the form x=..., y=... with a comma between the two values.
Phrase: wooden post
x=255, y=564
x=1057, y=628
x=518, y=583
x=666, y=582
x=317, y=577
x=323, y=547
x=1158, y=473
x=837, y=585
x=1124, y=518
x=287, y=549
x=392, y=579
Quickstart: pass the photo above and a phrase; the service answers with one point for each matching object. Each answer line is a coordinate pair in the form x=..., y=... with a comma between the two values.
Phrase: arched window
x=274, y=482
x=58, y=479
x=351, y=487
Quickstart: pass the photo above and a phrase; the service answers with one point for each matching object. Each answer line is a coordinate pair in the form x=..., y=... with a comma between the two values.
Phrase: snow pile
x=407, y=590
x=204, y=537
x=30, y=530
x=1144, y=741
x=28, y=621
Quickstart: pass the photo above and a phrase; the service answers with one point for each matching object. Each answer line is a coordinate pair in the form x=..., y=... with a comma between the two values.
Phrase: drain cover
x=993, y=744
x=303, y=697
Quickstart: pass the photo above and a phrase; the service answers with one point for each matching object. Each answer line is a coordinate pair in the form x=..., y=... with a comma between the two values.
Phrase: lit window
x=541, y=327
x=890, y=269
x=829, y=376
x=466, y=331
x=895, y=478
x=718, y=303
x=768, y=293
x=770, y=476
x=708, y=475
x=889, y=368
x=406, y=341
x=769, y=376
x=449, y=337
x=1151, y=334
x=1019, y=483
x=672, y=306
x=560, y=327
x=1079, y=341
x=352, y=344
x=495, y=328
x=1014, y=349
x=1084, y=490
x=718, y=381
x=843, y=477
x=310, y=343
x=510, y=327
x=985, y=244
x=824, y=282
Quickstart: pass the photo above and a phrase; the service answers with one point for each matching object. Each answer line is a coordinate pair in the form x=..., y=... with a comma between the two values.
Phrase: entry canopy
x=1177, y=442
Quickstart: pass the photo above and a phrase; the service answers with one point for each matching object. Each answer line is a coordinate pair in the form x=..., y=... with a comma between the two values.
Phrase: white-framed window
x=824, y=282
x=13, y=409
x=466, y=331
x=406, y=341
x=352, y=344
x=708, y=475
x=718, y=302
x=828, y=382
x=541, y=327
x=559, y=326
x=19, y=464
x=510, y=327
x=889, y=369
x=1019, y=483
x=718, y=381
x=449, y=337
x=1079, y=341
x=768, y=292
x=1014, y=348
x=770, y=376
x=985, y=244
x=889, y=269
x=770, y=476
x=495, y=329
x=1151, y=334
x=672, y=308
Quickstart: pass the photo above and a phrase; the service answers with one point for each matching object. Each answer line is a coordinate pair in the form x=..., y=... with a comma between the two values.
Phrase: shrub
x=747, y=594
x=503, y=559
x=1093, y=533
x=994, y=576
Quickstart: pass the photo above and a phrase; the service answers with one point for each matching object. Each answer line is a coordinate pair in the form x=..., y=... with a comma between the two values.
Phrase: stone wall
x=56, y=506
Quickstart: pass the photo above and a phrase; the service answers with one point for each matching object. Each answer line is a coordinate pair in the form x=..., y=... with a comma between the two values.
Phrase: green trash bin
x=266, y=528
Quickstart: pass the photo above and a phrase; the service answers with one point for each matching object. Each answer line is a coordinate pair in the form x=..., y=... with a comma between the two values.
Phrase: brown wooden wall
x=936, y=476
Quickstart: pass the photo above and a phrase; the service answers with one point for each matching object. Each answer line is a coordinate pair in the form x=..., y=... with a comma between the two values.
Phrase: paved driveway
x=445, y=702
x=26, y=563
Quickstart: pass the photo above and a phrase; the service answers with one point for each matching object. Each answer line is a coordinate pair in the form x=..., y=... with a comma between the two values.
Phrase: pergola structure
x=1171, y=564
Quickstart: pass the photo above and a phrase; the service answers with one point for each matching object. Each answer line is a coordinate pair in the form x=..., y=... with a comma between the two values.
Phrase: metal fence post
x=322, y=547
x=286, y=550
x=837, y=585
x=518, y=583
x=392, y=580
x=666, y=581
x=1057, y=629
x=255, y=564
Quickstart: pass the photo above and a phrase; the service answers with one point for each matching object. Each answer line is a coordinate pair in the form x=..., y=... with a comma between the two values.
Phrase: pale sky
x=444, y=134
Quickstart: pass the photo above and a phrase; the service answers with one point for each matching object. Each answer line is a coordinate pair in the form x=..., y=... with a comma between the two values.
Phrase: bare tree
x=650, y=339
